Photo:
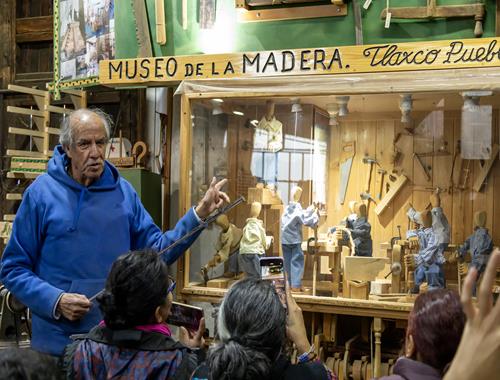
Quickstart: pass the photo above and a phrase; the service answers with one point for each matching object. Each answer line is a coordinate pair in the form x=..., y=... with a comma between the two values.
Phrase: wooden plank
x=297, y=62
x=26, y=132
x=294, y=13
x=60, y=110
x=485, y=169
x=41, y=36
x=395, y=188
x=34, y=24
x=24, y=153
x=360, y=268
x=22, y=175
x=9, y=217
x=13, y=197
x=25, y=111
x=27, y=90
x=161, y=33
x=53, y=131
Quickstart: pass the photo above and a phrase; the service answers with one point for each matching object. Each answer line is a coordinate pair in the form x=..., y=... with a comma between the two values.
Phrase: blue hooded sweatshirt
x=65, y=238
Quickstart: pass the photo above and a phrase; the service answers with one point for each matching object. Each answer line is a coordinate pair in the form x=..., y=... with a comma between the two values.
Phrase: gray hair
x=66, y=135
x=251, y=326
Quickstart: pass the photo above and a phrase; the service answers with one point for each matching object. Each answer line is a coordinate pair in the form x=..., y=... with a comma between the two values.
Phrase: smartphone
x=185, y=315
x=272, y=270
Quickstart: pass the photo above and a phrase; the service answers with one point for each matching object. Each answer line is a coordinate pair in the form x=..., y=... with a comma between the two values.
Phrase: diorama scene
x=250, y=189
x=367, y=197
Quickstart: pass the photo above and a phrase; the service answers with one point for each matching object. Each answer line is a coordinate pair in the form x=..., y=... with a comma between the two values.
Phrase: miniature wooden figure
x=254, y=243
x=479, y=244
x=359, y=228
x=292, y=220
x=227, y=248
x=429, y=260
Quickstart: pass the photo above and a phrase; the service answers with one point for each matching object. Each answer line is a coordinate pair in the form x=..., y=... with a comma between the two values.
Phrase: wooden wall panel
x=375, y=136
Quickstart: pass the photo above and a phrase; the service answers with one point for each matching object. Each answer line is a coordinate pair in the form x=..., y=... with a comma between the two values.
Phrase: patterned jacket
x=128, y=354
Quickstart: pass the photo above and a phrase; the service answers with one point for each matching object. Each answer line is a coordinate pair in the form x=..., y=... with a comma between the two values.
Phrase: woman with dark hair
x=435, y=326
x=252, y=329
x=22, y=364
x=133, y=341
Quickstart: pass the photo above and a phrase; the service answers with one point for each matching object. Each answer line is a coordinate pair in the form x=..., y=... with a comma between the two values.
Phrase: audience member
x=252, y=329
x=435, y=326
x=26, y=364
x=134, y=341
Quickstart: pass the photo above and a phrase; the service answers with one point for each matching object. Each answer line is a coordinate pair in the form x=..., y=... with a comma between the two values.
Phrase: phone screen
x=271, y=269
x=185, y=315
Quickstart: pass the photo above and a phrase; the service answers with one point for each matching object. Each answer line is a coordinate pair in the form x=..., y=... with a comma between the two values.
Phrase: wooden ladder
x=29, y=164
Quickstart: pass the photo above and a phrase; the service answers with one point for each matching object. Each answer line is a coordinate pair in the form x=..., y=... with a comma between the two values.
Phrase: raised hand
x=478, y=354
x=213, y=199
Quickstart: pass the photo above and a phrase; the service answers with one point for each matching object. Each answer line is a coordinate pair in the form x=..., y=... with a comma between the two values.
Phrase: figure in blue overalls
x=433, y=239
x=479, y=244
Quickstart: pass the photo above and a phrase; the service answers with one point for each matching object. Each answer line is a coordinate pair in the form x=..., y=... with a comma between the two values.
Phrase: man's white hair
x=66, y=136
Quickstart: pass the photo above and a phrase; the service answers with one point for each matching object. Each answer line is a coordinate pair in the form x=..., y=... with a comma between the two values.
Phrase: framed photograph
x=84, y=33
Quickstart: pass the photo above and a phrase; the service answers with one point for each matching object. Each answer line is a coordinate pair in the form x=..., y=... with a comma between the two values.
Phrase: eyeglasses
x=171, y=287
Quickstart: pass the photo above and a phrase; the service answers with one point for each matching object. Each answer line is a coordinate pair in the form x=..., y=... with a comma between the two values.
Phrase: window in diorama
x=272, y=147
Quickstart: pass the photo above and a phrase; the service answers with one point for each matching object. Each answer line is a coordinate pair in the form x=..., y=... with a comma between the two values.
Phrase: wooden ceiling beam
x=34, y=29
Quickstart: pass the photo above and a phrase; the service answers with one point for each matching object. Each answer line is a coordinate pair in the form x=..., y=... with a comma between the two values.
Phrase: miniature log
x=395, y=189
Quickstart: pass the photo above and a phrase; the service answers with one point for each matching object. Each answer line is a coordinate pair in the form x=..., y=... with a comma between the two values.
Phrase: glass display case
x=386, y=150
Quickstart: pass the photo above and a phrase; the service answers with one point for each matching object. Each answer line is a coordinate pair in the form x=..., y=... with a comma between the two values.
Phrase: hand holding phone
x=271, y=269
x=193, y=339
x=185, y=315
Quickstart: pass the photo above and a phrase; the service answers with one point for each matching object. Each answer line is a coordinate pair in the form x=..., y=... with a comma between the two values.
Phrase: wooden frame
x=280, y=13
x=453, y=80
x=57, y=85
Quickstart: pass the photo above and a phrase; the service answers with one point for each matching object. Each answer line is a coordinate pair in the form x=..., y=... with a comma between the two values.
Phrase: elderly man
x=73, y=223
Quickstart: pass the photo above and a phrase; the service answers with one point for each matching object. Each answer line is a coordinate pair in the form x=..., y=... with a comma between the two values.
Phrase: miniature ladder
x=29, y=164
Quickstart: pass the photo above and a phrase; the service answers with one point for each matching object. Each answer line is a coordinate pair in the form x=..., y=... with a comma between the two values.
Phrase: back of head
x=22, y=364
x=436, y=324
x=480, y=219
x=222, y=221
x=426, y=218
x=137, y=284
x=360, y=209
x=255, y=209
x=251, y=327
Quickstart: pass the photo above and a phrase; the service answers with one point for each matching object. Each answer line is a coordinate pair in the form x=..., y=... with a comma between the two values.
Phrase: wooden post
x=336, y=272
x=377, y=330
x=7, y=43
x=396, y=278
x=167, y=152
x=185, y=143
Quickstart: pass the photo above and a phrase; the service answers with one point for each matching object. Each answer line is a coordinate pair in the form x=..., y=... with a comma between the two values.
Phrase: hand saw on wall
x=142, y=34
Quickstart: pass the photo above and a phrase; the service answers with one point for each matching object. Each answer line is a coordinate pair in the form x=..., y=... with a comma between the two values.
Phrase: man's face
x=87, y=151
